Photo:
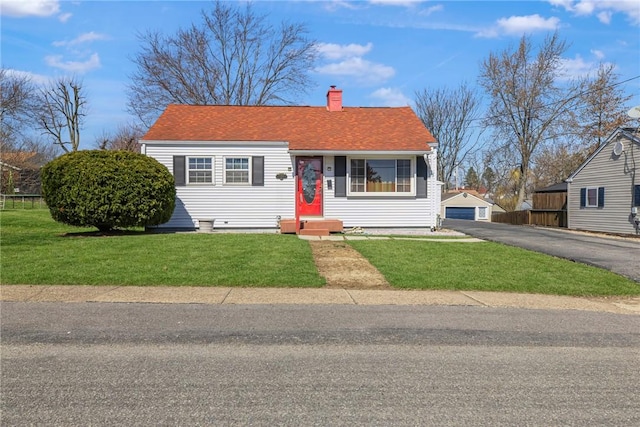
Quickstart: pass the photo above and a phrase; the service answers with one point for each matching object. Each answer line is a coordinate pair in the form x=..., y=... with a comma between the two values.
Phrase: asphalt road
x=156, y=364
x=621, y=256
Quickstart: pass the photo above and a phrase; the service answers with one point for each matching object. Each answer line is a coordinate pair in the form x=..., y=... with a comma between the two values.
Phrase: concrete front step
x=288, y=226
x=314, y=232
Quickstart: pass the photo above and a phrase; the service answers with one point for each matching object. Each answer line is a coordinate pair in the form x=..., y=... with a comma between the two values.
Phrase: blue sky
x=379, y=52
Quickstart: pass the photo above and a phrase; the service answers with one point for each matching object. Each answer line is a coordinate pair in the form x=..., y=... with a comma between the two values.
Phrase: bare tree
x=527, y=103
x=233, y=57
x=449, y=115
x=600, y=110
x=60, y=112
x=603, y=107
x=16, y=103
x=125, y=137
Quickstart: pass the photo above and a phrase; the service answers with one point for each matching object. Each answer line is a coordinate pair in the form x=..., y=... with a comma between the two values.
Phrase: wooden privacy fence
x=549, y=210
x=543, y=217
x=515, y=217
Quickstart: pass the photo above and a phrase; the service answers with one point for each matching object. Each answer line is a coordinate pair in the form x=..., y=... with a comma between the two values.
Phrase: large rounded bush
x=108, y=189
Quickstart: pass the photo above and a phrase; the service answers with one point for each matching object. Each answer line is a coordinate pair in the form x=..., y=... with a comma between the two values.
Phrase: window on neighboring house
x=482, y=212
x=592, y=197
x=636, y=195
x=380, y=176
x=236, y=170
x=200, y=170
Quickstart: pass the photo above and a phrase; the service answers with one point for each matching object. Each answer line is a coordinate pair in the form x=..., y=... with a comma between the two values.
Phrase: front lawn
x=487, y=266
x=37, y=250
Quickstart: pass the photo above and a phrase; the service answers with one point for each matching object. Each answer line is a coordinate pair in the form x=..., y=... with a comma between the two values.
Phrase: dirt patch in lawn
x=344, y=267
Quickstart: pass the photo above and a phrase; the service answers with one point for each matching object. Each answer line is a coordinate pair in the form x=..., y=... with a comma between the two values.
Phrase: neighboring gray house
x=604, y=192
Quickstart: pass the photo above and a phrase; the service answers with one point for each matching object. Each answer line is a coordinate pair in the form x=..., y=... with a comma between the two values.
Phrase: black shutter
x=257, y=171
x=421, y=177
x=341, y=176
x=179, y=174
x=601, y=197
x=583, y=197
x=636, y=195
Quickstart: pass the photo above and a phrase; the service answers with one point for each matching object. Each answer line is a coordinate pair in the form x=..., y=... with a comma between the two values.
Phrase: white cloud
x=82, y=38
x=562, y=3
x=336, y=51
x=518, y=25
x=527, y=24
x=37, y=79
x=347, y=60
x=604, y=9
x=578, y=67
x=363, y=70
x=64, y=17
x=404, y=3
x=75, y=67
x=390, y=97
x=334, y=5
x=21, y=8
x=605, y=17
x=428, y=11
x=575, y=67
x=597, y=53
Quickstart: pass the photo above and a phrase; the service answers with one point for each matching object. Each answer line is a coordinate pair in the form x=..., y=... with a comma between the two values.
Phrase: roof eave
x=218, y=143
x=358, y=152
x=622, y=131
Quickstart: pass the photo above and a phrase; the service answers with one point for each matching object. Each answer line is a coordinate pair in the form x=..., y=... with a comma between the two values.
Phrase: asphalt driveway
x=619, y=255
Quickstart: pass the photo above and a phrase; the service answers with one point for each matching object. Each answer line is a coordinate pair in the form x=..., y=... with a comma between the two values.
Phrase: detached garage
x=464, y=205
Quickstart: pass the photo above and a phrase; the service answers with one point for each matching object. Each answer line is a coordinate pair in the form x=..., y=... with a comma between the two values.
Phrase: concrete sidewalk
x=228, y=295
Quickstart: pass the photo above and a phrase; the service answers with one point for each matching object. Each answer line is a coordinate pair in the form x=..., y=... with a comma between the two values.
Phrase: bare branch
x=60, y=112
x=527, y=106
x=449, y=115
x=233, y=57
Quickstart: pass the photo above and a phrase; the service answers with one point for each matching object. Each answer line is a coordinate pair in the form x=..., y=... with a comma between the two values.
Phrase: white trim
x=187, y=169
x=10, y=166
x=486, y=212
x=445, y=201
x=615, y=133
x=358, y=153
x=181, y=143
x=412, y=173
x=249, y=170
x=586, y=197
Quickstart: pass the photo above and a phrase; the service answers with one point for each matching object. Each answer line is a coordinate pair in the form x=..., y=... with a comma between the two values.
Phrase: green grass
x=36, y=250
x=487, y=266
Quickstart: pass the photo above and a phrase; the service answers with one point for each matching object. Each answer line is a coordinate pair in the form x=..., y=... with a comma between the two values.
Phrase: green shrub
x=108, y=189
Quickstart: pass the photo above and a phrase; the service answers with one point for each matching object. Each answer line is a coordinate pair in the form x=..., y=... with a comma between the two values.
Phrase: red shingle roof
x=304, y=128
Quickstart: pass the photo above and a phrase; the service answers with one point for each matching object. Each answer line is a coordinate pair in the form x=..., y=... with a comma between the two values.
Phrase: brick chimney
x=334, y=99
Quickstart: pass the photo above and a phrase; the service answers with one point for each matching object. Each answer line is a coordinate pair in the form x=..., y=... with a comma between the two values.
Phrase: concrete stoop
x=312, y=227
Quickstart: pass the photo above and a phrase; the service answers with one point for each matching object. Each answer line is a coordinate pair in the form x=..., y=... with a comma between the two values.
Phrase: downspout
x=435, y=209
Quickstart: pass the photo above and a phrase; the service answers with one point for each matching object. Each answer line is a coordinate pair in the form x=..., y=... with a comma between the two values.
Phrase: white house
x=239, y=165
x=604, y=192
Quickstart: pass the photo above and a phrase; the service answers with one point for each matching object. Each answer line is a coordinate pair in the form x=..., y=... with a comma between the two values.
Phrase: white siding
x=232, y=206
x=374, y=211
x=616, y=175
x=235, y=206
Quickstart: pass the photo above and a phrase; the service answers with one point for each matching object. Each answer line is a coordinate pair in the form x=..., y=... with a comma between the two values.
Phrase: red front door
x=309, y=191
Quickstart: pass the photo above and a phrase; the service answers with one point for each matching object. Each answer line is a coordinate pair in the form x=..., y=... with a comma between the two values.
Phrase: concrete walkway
x=337, y=238
x=227, y=295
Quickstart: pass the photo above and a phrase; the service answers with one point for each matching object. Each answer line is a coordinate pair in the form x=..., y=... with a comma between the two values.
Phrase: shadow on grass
x=110, y=233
